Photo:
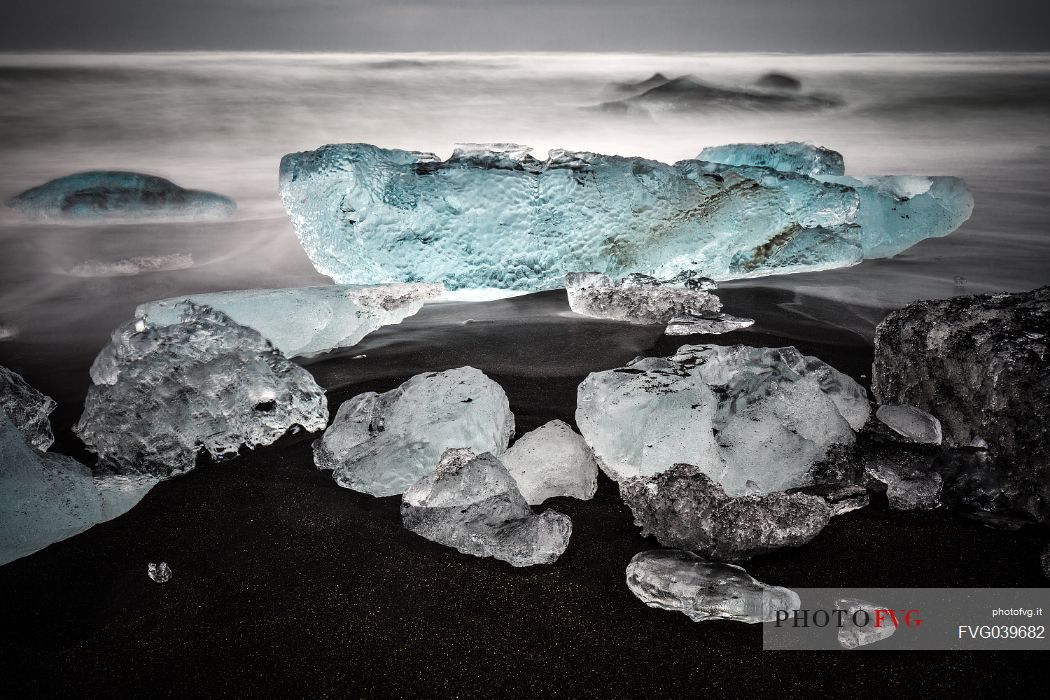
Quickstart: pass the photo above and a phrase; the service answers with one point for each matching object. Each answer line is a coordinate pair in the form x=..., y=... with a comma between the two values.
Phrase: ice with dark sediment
x=907, y=487
x=682, y=507
x=47, y=497
x=111, y=194
x=978, y=365
x=27, y=408
x=383, y=443
x=306, y=320
x=472, y=503
x=911, y=423
x=755, y=420
x=550, y=461
x=683, y=582
x=711, y=324
x=860, y=625
x=790, y=156
x=495, y=217
x=159, y=573
x=163, y=393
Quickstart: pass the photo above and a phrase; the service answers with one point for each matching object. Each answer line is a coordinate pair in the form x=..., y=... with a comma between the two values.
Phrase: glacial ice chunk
x=162, y=393
x=683, y=582
x=27, y=408
x=907, y=487
x=552, y=460
x=911, y=423
x=472, y=503
x=711, y=324
x=682, y=507
x=383, y=443
x=160, y=573
x=792, y=156
x=978, y=364
x=637, y=298
x=687, y=94
x=498, y=218
x=740, y=414
x=47, y=497
x=306, y=320
x=118, y=195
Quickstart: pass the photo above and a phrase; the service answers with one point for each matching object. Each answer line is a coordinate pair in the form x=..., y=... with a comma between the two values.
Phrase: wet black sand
x=286, y=585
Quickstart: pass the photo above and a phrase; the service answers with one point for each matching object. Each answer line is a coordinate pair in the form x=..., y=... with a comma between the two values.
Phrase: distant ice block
x=470, y=502
x=679, y=581
x=791, y=156
x=27, y=408
x=778, y=81
x=494, y=217
x=118, y=195
x=687, y=94
x=137, y=265
x=911, y=423
x=306, y=320
x=550, y=461
x=163, y=393
x=682, y=507
x=712, y=324
x=47, y=497
x=383, y=443
x=740, y=414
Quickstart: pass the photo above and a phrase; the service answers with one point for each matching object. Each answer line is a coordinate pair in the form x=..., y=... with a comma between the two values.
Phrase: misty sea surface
x=222, y=121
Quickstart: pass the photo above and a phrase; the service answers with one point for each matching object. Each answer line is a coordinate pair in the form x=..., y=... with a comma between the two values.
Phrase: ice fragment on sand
x=740, y=414
x=383, y=443
x=470, y=502
x=858, y=624
x=27, y=408
x=683, y=582
x=132, y=266
x=306, y=320
x=161, y=573
x=552, y=460
x=47, y=497
x=636, y=298
x=163, y=393
x=117, y=194
x=684, y=508
x=709, y=323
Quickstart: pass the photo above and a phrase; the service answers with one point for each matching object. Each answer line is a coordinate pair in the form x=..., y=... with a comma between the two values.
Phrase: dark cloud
x=588, y=25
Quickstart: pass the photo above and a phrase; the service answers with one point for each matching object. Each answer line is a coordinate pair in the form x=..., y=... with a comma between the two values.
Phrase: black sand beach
x=287, y=585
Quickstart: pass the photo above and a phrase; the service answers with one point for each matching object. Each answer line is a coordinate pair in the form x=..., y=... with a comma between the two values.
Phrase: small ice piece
x=118, y=195
x=911, y=423
x=907, y=488
x=383, y=443
x=498, y=218
x=161, y=573
x=858, y=625
x=552, y=460
x=739, y=413
x=679, y=581
x=711, y=324
x=132, y=266
x=792, y=156
x=47, y=497
x=27, y=408
x=472, y=503
x=682, y=507
x=636, y=298
x=842, y=498
x=307, y=321
x=163, y=393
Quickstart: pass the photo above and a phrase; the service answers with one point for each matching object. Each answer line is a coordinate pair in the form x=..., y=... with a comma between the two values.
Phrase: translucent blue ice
x=117, y=194
x=493, y=216
x=792, y=156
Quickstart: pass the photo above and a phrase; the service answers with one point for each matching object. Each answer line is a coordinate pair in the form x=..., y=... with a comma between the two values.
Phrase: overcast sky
x=566, y=25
